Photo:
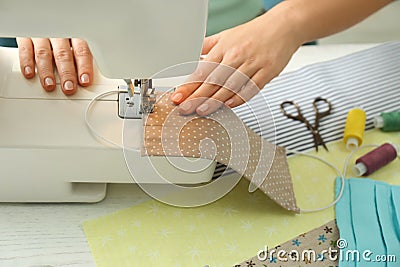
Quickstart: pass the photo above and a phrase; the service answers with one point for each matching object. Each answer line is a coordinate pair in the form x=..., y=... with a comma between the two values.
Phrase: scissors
x=318, y=116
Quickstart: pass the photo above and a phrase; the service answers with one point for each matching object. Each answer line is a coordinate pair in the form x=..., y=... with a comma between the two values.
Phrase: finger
x=215, y=102
x=65, y=64
x=83, y=61
x=44, y=63
x=194, y=81
x=214, y=81
x=212, y=84
x=209, y=106
x=233, y=59
x=257, y=82
x=26, y=57
x=209, y=43
x=233, y=84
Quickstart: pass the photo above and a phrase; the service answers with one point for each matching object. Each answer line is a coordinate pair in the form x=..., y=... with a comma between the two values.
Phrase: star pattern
x=247, y=225
x=220, y=229
x=317, y=240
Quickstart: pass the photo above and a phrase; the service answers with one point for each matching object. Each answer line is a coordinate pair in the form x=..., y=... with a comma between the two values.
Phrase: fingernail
x=68, y=86
x=48, y=81
x=203, y=108
x=229, y=102
x=28, y=70
x=177, y=97
x=85, y=78
x=185, y=106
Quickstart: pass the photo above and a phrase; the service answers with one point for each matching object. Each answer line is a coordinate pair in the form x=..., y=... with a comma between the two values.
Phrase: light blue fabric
x=344, y=220
x=365, y=225
x=395, y=197
x=367, y=217
x=387, y=219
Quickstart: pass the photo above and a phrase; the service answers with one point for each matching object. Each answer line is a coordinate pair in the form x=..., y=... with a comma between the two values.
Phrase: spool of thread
x=375, y=159
x=388, y=122
x=354, y=129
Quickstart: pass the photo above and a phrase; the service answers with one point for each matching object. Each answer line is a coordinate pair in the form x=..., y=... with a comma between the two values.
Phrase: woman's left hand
x=72, y=57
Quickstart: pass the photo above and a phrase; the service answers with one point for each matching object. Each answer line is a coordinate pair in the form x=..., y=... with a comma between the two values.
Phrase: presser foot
x=128, y=105
x=134, y=105
x=137, y=98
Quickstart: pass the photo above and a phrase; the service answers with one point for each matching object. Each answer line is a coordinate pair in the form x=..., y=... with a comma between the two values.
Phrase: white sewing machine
x=47, y=154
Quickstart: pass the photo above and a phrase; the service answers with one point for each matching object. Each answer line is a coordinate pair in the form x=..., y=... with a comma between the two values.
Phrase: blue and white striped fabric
x=369, y=79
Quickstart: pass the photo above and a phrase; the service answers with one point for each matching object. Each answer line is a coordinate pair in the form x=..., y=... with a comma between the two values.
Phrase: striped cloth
x=369, y=79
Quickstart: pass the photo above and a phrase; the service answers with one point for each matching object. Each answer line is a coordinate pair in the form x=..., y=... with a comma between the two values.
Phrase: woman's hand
x=239, y=62
x=261, y=48
x=72, y=57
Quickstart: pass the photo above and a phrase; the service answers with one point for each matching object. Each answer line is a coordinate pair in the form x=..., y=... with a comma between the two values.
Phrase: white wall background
x=380, y=27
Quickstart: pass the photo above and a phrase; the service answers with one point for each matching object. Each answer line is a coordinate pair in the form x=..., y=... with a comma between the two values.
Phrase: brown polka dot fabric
x=222, y=137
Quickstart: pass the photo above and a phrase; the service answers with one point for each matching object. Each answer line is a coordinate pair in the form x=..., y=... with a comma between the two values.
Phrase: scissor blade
x=324, y=145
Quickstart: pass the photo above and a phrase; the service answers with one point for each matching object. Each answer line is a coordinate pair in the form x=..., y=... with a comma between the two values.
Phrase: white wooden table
x=52, y=235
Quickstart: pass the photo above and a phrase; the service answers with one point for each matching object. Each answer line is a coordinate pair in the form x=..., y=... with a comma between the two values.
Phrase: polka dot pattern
x=222, y=137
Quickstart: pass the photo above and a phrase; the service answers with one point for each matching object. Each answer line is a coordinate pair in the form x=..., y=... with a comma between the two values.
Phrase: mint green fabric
x=344, y=220
x=225, y=14
x=366, y=220
x=367, y=216
x=388, y=217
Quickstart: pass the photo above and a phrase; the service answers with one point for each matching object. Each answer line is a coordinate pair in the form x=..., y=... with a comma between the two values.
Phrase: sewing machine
x=47, y=154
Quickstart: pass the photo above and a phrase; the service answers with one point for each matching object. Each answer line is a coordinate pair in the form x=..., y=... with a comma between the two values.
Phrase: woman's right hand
x=239, y=63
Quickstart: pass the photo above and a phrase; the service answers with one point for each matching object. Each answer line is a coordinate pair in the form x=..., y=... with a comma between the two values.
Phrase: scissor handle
x=298, y=116
x=320, y=114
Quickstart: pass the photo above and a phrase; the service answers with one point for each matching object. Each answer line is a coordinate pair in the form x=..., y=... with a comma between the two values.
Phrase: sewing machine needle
x=131, y=87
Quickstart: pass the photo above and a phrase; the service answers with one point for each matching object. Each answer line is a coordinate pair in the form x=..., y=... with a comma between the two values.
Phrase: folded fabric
x=368, y=220
x=222, y=137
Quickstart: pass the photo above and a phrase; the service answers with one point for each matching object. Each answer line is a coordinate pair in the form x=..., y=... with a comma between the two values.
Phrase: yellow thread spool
x=354, y=130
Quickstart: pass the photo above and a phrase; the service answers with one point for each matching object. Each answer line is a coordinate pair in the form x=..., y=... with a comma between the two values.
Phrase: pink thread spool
x=375, y=159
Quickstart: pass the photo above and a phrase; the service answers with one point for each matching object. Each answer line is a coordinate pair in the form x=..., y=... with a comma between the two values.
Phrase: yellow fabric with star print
x=230, y=230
